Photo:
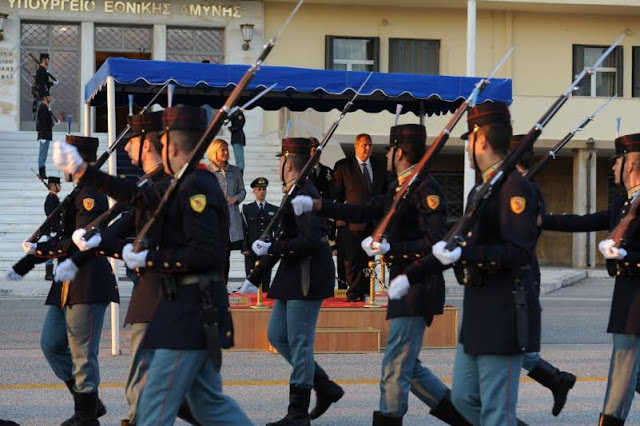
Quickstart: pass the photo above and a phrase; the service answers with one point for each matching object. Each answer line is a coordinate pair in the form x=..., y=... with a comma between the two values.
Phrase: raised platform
x=342, y=327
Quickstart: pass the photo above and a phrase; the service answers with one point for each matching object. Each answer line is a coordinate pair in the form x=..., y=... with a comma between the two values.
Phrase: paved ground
x=574, y=338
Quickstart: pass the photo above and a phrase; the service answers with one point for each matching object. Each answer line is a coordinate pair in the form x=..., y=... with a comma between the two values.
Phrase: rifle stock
x=624, y=227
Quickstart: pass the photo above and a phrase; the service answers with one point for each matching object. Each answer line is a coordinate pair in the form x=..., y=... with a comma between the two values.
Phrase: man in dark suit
x=255, y=219
x=356, y=180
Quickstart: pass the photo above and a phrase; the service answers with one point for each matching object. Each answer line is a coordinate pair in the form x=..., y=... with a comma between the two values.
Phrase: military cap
x=260, y=182
x=496, y=113
x=298, y=146
x=44, y=56
x=145, y=123
x=86, y=146
x=409, y=134
x=627, y=143
x=184, y=117
x=53, y=179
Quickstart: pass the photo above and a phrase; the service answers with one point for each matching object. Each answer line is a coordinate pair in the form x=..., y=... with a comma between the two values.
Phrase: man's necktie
x=261, y=209
x=367, y=176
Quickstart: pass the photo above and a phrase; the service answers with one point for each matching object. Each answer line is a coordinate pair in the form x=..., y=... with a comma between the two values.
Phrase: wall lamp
x=247, y=35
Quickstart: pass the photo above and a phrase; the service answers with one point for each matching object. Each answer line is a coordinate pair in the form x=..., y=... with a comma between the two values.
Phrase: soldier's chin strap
x=166, y=151
x=624, y=159
x=393, y=158
x=473, y=150
x=284, y=184
x=142, y=138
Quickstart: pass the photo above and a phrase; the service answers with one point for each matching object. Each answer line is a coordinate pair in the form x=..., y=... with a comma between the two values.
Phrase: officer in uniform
x=501, y=318
x=72, y=328
x=322, y=178
x=255, y=219
x=50, y=204
x=540, y=370
x=192, y=321
x=622, y=263
x=304, y=278
x=421, y=221
x=145, y=150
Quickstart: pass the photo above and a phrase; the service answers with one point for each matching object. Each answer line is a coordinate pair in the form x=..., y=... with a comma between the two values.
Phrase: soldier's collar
x=404, y=175
x=488, y=174
x=632, y=191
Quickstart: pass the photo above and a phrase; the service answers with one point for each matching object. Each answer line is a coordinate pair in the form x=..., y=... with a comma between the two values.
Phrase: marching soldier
x=422, y=221
x=50, y=203
x=501, y=318
x=43, y=79
x=540, y=370
x=304, y=278
x=145, y=150
x=255, y=219
x=622, y=263
x=72, y=328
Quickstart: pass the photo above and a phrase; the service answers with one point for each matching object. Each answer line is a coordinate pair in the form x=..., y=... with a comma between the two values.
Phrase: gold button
x=38, y=251
x=480, y=265
x=116, y=255
x=59, y=250
x=492, y=263
x=149, y=263
x=50, y=251
x=405, y=256
x=166, y=264
x=626, y=263
x=418, y=255
x=228, y=334
x=101, y=252
x=469, y=234
x=464, y=262
x=178, y=264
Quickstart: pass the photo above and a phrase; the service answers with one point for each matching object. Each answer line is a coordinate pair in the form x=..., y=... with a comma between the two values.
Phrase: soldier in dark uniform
x=192, y=321
x=540, y=370
x=72, y=328
x=145, y=150
x=304, y=278
x=495, y=267
x=255, y=219
x=50, y=204
x=43, y=80
x=622, y=263
x=420, y=223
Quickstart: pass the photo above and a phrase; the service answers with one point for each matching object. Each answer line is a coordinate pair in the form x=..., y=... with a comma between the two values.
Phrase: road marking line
x=23, y=386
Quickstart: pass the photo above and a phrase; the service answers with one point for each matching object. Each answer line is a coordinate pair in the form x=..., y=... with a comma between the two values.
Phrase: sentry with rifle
x=423, y=166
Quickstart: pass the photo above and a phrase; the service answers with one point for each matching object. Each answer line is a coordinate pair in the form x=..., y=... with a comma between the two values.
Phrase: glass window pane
x=65, y=35
x=108, y=38
x=351, y=48
x=34, y=34
x=179, y=39
x=605, y=83
x=138, y=38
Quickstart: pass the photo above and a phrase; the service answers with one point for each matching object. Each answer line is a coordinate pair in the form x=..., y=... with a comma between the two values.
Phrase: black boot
x=380, y=419
x=559, y=382
x=42, y=172
x=48, y=271
x=606, y=420
x=86, y=407
x=102, y=410
x=184, y=413
x=446, y=412
x=298, y=411
x=327, y=392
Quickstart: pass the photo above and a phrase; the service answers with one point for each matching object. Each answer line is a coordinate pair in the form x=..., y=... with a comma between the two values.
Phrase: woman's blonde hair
x=214, y=147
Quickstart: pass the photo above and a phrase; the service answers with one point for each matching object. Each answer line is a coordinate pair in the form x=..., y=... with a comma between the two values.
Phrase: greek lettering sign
x=130, y=7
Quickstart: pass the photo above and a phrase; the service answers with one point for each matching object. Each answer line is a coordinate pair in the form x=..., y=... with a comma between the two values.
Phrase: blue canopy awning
x=297, y=88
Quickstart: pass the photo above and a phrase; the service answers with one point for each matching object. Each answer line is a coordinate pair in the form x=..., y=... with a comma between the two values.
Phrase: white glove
x=398, y=287
x=445, y=256
x=66, y=157
x=302, y=204
x=78, y=239
x=261, y=248
x=66, y=271
x=29, y=248
x=373, y=248
x=134, y=260
x=248, y=288
x=12, y=275
x=610, y=251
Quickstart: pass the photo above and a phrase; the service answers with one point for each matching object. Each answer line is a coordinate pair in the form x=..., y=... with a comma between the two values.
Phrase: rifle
x=533, y=171
x=308, y=167
x=42, y=229
x=455, y=237
x=40, y=179
x=423, y=165
x=211, y=131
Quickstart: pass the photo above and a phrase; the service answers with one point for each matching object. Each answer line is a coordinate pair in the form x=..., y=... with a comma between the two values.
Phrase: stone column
x=159, y=43
x=87, y=68
x=584, y=202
